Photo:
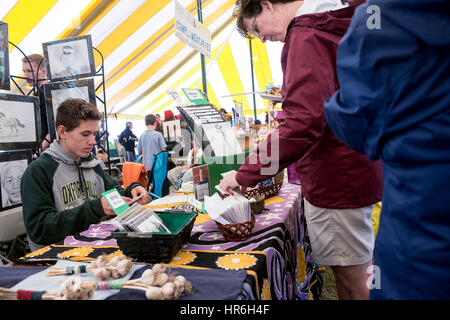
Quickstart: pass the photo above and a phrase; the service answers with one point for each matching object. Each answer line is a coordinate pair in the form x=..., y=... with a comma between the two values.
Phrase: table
x=277, y=258
x=277, y=255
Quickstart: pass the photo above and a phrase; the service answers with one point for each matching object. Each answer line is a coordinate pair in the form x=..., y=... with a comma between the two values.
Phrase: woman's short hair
x=249, y=9
x=71, y=112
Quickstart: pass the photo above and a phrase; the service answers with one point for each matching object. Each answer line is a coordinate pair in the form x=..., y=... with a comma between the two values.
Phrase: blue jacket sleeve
x=379, y=72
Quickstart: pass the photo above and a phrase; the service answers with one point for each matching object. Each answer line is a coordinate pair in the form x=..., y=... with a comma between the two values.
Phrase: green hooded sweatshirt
x=61, y=197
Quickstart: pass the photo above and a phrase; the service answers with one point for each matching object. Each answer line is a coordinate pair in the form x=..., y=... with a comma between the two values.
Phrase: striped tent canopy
x=142, y=56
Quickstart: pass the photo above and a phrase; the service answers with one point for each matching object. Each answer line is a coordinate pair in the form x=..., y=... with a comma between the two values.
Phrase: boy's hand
x=107, y=208
x=139, y=190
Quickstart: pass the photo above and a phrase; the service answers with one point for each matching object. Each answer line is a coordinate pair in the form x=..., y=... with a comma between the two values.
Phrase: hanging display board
x=195, y=96
x=189, y=30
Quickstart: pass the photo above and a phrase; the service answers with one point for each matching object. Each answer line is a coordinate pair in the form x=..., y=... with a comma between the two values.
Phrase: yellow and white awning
x=142, y=56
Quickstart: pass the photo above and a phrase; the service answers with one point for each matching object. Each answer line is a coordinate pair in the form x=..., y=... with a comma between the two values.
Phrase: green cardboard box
x=219, y=165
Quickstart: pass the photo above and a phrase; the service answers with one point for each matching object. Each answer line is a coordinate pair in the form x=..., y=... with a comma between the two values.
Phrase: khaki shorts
x=340, y=237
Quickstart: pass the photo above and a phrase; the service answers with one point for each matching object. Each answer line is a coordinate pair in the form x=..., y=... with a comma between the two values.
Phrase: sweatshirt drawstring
x=83, y=187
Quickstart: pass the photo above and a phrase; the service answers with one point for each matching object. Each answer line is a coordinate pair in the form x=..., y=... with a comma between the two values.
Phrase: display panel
x=211, y=131
x=4, y=57
x=19, y=122
x=12, y=166
x=70, y=58
x=56, y=93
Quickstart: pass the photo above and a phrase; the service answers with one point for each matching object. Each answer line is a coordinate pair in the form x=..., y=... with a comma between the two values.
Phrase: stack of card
x=232, y=209
x=138, y=218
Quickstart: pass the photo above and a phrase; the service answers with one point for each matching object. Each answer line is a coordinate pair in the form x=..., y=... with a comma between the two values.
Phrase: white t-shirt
x=316, y=6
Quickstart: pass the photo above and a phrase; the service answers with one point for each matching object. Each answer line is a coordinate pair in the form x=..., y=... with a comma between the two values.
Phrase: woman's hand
x=229, y=182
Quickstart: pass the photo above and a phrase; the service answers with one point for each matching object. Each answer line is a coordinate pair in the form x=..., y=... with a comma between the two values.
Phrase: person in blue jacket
x=394, y=105
x=127, y=139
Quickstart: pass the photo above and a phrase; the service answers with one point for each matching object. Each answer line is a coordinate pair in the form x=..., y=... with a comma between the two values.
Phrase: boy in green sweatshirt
x=62, y=189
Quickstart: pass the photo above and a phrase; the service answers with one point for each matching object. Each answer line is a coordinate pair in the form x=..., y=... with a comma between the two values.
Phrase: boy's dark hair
x=249, y=9
x=72, y=111
x=150, y=120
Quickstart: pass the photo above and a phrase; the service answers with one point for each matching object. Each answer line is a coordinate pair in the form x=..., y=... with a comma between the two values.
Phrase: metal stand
x=103, y=136
x=102, y=140
x=35, y=89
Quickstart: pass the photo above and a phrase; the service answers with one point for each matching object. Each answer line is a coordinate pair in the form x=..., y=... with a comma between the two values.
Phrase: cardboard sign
x=189, y=30
x=195, y=96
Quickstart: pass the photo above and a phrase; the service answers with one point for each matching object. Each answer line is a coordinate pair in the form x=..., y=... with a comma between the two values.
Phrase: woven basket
x=237, y=231
x=258, y=206
x=267, y=191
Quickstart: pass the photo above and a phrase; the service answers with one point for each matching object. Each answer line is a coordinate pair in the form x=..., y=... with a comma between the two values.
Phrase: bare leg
x=351, y=281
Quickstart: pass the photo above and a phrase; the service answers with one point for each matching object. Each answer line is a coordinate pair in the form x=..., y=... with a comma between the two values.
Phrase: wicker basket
x=257, y=206
x=267, y=191
x=237, y=231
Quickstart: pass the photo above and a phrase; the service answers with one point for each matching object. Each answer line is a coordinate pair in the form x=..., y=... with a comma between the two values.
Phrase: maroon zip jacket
x=331, y=174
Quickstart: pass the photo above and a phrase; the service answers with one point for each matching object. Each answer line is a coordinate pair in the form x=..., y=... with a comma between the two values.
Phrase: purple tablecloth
x=277, y=257
x=280, y=234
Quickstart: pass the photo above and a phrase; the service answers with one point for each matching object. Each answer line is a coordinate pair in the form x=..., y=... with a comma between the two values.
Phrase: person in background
x=35, y=74
x=224, y=114
x=340, y=186
x=151, y=142
x=394, y=105
x=169, y=116
x=127, y=139
x=159, y=126
x=62, y=190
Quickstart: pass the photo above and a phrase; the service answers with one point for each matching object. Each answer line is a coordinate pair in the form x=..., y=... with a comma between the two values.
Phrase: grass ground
x=329, y=291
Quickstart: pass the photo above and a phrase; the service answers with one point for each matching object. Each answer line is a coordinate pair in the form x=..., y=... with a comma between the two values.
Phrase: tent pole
x=202, y=57
x=253, y=79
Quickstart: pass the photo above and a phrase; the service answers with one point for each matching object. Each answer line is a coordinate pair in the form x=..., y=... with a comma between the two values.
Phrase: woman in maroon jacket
x=340, y=186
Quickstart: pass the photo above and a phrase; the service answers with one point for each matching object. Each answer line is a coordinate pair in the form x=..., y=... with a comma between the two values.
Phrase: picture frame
x=201, y=182
x=55, y=93
x=12, y=166
x=70, y=58
x=20, y=122
x=4, y=57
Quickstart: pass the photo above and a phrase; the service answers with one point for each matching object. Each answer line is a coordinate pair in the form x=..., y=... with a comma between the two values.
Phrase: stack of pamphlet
x=230, y=210
x=138, y=218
